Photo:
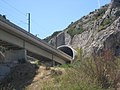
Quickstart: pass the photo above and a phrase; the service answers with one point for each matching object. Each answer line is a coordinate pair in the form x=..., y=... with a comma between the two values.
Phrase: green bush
x=72, y=80
x=79, y=53
x=102, y=70
x=100, y=13
x=105, y=23
x=67, y=66
x=95, y=73
x=101, y=28
x=74, y=31
x=47, y=39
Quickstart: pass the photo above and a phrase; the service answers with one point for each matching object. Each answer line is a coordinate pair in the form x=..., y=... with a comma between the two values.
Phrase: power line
x=5, y=11
x=14, y=8
x=23, y=14
x=18, y=10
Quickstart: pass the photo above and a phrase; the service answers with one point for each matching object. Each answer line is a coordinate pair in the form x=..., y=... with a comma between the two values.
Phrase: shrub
x=74, y=31
x=100, y=13
x=105, y=23
x=103, y=70
x=47, y=39
x=72, y=80
x=79, y=53
x=67, y=66
x=93, y=73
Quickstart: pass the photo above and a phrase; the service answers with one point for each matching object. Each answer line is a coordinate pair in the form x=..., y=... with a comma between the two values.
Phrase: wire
x=37, y=24
x=19, y=17
x=1, y=10
x=23, y=14
x=14, y=8
x=18, y=11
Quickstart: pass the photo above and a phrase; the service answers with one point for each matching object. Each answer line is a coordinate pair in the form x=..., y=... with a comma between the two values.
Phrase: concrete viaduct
x=20, y=43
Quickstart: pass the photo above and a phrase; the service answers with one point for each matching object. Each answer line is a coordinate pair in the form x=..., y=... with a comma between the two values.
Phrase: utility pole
x=56, y=42
x=29, y=22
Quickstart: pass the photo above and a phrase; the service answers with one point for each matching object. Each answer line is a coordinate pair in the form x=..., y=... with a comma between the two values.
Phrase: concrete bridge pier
x=15, y=55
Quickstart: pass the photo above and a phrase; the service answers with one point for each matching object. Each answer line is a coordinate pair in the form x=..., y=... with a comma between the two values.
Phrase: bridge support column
x=53, y=63
x=15, y=55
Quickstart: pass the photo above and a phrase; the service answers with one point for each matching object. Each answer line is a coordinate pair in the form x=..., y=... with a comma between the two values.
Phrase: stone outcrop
x=2, y=57
x=63, y=38
x=95, y=32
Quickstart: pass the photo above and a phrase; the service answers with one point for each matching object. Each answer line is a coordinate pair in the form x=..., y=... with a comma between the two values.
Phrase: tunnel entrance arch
x=68, y=50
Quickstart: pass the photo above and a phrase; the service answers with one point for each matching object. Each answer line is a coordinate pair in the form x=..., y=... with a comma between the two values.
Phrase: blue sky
x=47, y=16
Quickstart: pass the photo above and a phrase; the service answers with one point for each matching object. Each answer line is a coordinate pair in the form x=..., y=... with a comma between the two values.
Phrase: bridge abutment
x=15, y=55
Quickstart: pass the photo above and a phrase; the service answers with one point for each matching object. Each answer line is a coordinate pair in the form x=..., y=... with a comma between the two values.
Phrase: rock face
x=95, y=32
x=2, y=57
x=62, y=38
x=58, y=40
x=115, y=3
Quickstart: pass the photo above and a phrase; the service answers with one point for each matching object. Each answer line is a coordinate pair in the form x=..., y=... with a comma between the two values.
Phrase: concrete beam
x=5, y=36
x=15, y=35
x=37, y=50
x=59, y=60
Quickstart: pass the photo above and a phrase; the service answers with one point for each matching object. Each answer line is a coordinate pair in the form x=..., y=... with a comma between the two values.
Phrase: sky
x=47, y=16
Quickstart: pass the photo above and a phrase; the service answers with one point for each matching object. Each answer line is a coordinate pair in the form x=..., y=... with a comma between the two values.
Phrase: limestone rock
x=63, y=38
x=95, y=32
x=2, y=57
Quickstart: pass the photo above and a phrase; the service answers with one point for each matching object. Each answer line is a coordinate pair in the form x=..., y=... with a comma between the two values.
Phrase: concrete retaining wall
x=15, y=55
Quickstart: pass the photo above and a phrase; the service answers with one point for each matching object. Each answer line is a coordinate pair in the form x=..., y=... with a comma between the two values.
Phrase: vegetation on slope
x=100, y=12
x=93, y=73
x=47, y=39
x=96, y=73
x=73, y=28
x=75, y=31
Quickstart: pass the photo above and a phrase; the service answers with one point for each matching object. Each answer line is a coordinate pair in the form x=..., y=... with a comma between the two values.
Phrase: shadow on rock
x=20, y=76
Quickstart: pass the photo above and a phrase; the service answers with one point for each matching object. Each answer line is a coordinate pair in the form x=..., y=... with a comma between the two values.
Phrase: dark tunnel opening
x=67, y=50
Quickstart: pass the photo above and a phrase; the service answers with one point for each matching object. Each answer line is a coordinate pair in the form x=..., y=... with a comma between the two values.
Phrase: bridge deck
x=17, y=36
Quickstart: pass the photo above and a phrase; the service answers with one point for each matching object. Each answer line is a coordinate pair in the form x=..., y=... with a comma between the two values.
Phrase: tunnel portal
x=68, y=50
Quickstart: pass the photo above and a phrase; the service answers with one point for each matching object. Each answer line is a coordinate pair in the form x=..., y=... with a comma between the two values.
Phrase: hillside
x=95, y=32
x=96, y=35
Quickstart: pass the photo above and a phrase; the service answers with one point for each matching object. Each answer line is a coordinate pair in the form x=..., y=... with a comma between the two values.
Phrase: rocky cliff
x=95, y=32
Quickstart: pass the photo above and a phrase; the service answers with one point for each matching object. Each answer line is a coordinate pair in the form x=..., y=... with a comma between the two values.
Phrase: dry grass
x=96, y=73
